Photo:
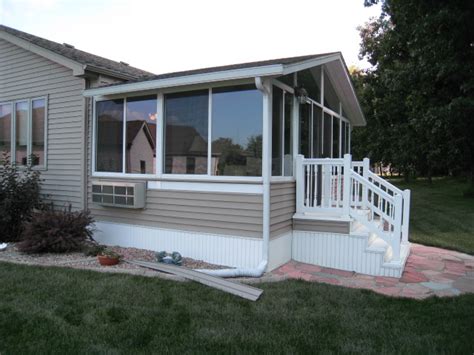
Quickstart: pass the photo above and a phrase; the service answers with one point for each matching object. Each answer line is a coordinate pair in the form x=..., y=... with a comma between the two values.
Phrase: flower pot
x=105, y=260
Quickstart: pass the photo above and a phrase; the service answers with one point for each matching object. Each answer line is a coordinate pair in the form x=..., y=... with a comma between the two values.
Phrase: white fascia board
x=232, y=74
x=310, y=63
x=77, y=68
x=349, y=80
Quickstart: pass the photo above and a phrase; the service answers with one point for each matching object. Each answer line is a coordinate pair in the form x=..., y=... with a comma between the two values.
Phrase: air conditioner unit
x=119, y=194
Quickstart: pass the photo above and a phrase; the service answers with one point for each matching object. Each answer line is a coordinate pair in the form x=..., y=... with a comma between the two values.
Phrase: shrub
x=51, y=231
x=92, y=249
x=19, y=196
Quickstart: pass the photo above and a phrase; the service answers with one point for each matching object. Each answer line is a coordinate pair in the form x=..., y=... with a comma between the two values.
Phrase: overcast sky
x=163, y=36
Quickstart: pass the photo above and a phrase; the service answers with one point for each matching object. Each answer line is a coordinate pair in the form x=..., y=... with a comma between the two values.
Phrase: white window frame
x=159, y=173
x=29, y=131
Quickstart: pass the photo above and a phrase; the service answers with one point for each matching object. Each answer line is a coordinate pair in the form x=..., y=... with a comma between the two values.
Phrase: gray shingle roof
x=80, y=56
x=284, y=61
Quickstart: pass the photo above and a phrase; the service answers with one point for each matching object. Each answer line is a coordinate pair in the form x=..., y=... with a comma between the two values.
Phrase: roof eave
x=234, y=74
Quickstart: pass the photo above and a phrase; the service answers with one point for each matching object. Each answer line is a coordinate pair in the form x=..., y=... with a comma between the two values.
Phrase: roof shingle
x=79, y=56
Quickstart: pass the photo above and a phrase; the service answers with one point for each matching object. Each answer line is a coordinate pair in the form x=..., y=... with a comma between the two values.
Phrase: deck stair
x=377, y=210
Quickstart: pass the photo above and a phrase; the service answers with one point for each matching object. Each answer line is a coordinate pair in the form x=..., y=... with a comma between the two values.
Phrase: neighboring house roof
x=91, y=62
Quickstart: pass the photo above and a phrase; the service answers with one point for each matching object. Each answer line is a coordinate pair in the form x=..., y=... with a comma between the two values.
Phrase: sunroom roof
x=334, y=63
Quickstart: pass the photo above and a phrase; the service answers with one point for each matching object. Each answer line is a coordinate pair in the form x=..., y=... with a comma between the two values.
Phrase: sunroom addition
x=259, y=129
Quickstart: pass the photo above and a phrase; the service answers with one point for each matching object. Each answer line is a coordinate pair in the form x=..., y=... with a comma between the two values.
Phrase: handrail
x=383, y=182
x=323, y=161
x=377, y=189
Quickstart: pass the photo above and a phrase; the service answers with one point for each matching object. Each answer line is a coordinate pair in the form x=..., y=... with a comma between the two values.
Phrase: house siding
x=25, y=75
x=282, y=207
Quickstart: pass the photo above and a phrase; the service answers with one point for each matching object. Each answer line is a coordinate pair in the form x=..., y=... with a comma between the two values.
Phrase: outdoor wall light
x=301, y=94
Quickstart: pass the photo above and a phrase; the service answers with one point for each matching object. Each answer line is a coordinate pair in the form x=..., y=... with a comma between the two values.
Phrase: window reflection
x=38, y=119
x=237, y=131
x=186, y=117
x=21, y=135
x=109, y=149
x=140, y=135
x=5, y=128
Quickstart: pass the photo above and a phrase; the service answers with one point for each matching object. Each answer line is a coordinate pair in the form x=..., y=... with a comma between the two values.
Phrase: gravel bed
x=80, y=261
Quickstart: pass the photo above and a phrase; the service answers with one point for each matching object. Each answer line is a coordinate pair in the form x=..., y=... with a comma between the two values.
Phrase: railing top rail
x=386, y=183
x=357, y=163
x=323, y=161
x=373, y=187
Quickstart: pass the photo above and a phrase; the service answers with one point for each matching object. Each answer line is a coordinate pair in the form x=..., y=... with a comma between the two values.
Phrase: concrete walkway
x=429, y=272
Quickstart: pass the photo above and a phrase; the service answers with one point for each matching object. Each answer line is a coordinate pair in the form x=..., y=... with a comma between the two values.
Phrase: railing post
x=397, y=228
x=406, y=215
x=365, y=174
x=346, y=192
x=300, y=181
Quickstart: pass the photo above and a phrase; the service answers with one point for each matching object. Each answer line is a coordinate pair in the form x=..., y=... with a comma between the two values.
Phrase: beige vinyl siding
x=208, y=212
x=282, y=207
x=25, y=75
x=322, y=226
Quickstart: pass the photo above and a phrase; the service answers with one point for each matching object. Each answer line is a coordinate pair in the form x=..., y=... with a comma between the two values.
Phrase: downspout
x=266, y=173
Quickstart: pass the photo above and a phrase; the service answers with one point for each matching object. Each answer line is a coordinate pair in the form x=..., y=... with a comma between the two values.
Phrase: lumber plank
x=238, y=289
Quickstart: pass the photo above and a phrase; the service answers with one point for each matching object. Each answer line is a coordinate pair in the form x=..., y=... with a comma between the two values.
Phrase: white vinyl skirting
x=339, y=251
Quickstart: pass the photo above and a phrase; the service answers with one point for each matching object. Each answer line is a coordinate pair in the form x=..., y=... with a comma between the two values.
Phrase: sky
x=165, y=36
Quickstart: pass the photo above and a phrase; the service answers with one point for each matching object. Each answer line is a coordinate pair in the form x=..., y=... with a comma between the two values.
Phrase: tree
x=419, y=94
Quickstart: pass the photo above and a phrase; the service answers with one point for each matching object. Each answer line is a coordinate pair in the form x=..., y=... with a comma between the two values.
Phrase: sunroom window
x=228, y=117
x=282, y=138
x=186, y=137
x=133, y=121
x=237, y=131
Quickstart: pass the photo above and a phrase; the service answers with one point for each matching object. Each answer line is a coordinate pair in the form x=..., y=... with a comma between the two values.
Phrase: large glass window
x=140, y=135
x=5, y=129
x=21, y=132
x=327, y=135
x=317, y=131
x=335, y=137
x=186, y=122
x=109, y=148
x=282, y=139
x=38, y=116
x=237, y=131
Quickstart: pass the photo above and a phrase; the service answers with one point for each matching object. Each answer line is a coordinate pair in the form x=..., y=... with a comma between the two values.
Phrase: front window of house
x=5, y=128
x=25, y=122
x=126, y=134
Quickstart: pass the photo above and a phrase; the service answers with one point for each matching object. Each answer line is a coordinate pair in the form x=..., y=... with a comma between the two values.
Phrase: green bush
x=19, y=196
x=51, y=231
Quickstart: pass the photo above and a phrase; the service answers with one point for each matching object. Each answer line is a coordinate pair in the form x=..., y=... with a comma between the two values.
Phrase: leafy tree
x=419, y=94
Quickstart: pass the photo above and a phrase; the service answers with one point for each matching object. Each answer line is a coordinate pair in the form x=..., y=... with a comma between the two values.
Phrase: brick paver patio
x=429, y=271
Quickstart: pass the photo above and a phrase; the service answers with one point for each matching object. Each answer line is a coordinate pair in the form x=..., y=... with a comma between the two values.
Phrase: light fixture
x=301, y=94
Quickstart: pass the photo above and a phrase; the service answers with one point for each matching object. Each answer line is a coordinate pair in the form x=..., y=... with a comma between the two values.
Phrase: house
x=233, y=165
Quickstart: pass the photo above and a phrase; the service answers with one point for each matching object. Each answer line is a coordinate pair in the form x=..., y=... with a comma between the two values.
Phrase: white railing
x=321, y=188
x=346, y=188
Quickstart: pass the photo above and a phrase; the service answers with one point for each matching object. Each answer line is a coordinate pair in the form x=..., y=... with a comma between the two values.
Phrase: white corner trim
x=206, y=187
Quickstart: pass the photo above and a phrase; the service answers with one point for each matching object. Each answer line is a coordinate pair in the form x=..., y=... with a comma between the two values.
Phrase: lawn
x=440, y=215
x=53, y=310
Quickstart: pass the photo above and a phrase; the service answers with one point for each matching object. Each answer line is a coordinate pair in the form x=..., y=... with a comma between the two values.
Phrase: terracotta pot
x=107, y=261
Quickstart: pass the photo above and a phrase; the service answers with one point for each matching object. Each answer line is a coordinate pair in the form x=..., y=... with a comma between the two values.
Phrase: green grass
x=53, y=310
x=440, y=215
